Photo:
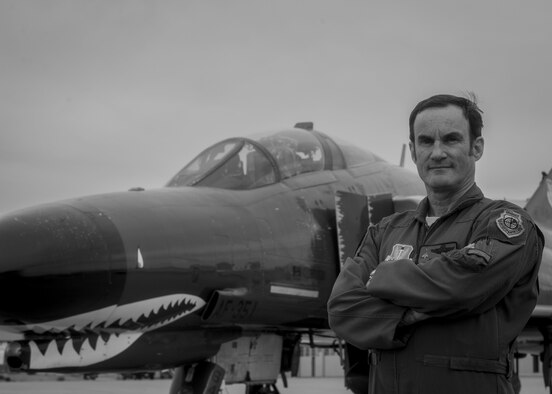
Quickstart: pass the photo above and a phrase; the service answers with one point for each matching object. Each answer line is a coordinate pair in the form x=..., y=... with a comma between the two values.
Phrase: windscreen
x=295, y=151
x=235, y=164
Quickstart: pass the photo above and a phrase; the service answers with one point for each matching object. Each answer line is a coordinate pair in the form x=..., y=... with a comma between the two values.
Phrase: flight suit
x=440, y=306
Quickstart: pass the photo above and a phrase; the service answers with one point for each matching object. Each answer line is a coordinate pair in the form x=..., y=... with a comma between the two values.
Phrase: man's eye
x=453, y=140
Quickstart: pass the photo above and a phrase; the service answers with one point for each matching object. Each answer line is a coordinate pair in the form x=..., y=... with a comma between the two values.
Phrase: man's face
x=442, y=151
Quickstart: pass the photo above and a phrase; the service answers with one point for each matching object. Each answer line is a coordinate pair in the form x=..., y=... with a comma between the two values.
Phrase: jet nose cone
x=57, y=261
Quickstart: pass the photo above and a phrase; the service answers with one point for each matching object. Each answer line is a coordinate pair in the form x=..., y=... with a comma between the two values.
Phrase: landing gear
x=356, y=369
x=546, y=356
x=200, y=378
x=516, y=383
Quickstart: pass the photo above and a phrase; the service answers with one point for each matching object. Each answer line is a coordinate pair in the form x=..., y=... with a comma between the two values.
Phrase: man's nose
x=437, y=151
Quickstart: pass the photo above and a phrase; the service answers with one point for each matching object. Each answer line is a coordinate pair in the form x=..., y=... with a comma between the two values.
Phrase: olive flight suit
x=440, y=306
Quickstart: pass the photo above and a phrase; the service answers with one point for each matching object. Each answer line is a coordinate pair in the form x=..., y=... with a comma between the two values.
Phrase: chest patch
x=510, y=224
x=400, y=252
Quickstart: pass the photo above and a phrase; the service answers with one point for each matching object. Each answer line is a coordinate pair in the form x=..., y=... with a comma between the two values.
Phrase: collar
x=473, y=195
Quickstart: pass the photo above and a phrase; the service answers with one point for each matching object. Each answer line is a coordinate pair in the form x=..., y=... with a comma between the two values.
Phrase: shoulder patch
x=479, y=253
x=510, y=223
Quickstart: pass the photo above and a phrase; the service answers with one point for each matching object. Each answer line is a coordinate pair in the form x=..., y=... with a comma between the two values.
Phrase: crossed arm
x=375, y=305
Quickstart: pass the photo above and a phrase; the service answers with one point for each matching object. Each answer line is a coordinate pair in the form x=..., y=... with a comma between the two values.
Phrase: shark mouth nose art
x=93, y=337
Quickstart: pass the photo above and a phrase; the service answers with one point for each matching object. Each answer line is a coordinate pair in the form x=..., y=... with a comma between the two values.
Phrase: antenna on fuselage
x=402, y=155
x=309, y=126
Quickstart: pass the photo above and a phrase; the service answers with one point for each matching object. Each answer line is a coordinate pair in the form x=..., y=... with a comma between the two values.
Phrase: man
x=440, y=294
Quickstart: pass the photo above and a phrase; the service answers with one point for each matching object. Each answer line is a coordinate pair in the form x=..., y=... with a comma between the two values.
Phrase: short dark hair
x=468, y=106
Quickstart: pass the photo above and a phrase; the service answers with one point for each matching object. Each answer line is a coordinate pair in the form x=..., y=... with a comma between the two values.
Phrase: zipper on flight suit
x=420, y=238
x=427, y=230
x=424, y=234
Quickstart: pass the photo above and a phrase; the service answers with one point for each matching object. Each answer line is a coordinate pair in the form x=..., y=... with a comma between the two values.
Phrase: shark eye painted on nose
x=139, y=259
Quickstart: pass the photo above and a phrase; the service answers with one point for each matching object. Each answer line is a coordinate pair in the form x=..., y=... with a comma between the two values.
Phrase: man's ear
x=412, y=151
x=478, y=147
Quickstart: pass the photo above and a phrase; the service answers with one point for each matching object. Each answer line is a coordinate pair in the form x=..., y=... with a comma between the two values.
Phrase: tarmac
x=109, y=385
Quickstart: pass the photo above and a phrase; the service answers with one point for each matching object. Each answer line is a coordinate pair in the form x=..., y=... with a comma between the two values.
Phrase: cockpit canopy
x=249, y=163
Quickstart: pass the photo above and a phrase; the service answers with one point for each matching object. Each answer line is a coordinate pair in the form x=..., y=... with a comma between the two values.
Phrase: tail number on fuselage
x=236, y=309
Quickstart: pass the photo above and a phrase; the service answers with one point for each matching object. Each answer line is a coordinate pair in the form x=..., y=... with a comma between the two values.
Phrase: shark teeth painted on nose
x=153, y=313
x=144, y=315
x=55, y=354
x=96, y=336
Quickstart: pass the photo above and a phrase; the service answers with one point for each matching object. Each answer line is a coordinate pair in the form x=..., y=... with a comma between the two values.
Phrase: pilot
x=438, y=295
x=232, y=175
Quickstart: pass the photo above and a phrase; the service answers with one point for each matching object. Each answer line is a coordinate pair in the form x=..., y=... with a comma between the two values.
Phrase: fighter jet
x=219, y=274
x=536, y=338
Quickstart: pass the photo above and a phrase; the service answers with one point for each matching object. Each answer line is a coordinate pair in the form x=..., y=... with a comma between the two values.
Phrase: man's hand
x=370, y=278
x=411, y=317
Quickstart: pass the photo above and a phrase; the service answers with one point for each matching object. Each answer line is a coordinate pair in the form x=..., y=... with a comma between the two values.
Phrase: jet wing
x=539, y=207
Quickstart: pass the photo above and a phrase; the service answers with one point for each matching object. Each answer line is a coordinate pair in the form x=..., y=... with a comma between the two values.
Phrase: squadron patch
x=510, y=224
x=400, y=252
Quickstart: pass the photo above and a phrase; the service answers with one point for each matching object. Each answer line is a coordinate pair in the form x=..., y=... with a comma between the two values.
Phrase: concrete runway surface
x=106, y=385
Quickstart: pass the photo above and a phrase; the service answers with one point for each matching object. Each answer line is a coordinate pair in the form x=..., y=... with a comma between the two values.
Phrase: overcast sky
x=101, y=96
